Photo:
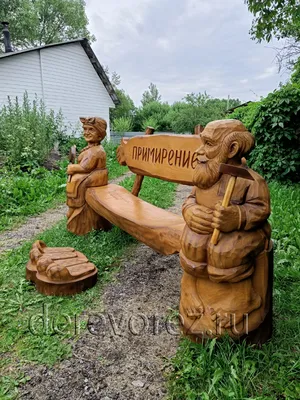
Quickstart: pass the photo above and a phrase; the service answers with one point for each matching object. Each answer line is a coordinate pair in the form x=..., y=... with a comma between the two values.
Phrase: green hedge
x=275, y=123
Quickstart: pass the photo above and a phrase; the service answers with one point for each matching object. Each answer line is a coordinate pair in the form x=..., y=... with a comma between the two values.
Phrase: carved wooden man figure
x=223, y=288
x=90, y=171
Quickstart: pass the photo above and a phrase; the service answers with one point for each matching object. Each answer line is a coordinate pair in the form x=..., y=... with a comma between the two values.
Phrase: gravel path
x=34, y=225
x=122, y=355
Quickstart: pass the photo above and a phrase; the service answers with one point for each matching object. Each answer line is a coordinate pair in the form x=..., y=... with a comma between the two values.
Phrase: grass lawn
x=23, y=195
x=225, y=370
x=20, y=303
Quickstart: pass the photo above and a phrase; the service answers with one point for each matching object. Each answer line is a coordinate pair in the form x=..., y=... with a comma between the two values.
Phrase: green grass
x=226, y=370
x=20, y=303
x=26, y=194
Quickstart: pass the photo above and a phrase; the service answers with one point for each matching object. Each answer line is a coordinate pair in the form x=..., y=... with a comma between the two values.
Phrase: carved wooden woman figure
x=89, y=171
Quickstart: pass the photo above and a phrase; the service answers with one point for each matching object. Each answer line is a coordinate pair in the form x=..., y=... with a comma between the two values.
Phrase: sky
x=183, y=46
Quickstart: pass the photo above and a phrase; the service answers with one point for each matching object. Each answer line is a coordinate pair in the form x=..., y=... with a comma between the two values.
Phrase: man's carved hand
x=199, y=219
x=226, y=219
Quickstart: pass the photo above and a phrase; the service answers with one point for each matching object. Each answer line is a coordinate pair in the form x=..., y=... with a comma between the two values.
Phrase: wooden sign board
x=167, y=157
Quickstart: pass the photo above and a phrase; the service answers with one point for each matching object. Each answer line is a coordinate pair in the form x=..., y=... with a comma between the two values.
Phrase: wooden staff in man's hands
x=234, y=172
x=72, y=158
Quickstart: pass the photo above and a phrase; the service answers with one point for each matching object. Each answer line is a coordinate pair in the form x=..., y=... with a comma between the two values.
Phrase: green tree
x=38, y=22
x=125, y=110
x=197, y=109
x=295, y=78
x=126, y=107
x=152, y=111
x=114, y=77
x=150, y=95
x=278, y=19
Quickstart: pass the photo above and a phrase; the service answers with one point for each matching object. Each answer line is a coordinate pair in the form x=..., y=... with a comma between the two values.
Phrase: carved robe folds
x=81, y=218
x=227, y=282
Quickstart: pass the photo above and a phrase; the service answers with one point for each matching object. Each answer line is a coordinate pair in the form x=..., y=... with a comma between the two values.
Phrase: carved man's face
x=210, y=155
x=91, y=134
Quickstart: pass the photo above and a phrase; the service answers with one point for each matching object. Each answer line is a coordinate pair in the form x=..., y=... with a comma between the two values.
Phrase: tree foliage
x=198, y=109
x=150, y=95
x=126, y=107
x=278, y=19
x=38, y=22
x=152, y=113
x=275, y=123
x=122, y=124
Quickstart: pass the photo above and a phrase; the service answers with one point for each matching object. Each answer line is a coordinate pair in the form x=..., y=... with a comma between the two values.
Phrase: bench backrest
x=167, y=157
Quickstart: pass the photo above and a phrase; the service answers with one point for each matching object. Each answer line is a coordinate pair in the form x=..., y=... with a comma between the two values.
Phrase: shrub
x=155, y=110
x=197, y=109
x=67, y=142
x=275, y=123
x=122, y=124
x=151, y=121
x=28, y=132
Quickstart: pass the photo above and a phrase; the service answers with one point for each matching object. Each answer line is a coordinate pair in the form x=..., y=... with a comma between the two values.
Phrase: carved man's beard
x=207, y=174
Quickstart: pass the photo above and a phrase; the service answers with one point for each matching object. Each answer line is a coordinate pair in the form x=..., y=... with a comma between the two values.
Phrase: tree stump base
x=59, y=271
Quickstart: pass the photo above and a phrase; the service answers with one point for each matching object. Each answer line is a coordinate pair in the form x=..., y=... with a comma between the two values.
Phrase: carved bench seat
x=157, y=228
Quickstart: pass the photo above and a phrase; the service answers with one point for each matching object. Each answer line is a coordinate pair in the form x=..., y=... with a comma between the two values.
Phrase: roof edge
x=100, y=70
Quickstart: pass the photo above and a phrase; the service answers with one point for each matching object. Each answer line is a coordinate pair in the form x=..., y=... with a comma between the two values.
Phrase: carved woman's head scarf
x=98, y=123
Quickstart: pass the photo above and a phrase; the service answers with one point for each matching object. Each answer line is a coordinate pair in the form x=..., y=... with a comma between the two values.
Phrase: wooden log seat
x=159, y=229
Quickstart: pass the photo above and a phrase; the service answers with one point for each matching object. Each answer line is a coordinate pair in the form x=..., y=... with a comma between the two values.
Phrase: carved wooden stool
x=59, y=271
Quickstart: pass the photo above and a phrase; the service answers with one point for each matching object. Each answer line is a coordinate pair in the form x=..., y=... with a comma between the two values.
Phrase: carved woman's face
x=91, y=134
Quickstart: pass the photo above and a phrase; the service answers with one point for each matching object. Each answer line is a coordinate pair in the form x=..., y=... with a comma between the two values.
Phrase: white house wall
x=62, y=76
x=18, y=74
x=71, y=83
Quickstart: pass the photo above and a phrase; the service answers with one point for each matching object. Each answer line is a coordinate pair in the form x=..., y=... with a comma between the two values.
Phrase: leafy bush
x=66, y=142
x=28, y=132
x=151, y=121
x=157, y=111
x=122, y=124
x=246, y=114
x=197, y=109
x=275, y=123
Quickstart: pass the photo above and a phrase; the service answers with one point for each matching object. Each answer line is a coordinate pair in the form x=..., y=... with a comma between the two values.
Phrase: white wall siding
x=62, y=76
x=72, y=84
x=19, y=73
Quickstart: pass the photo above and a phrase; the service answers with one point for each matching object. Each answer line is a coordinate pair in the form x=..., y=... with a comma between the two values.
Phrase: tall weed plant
x=122, y=124
x=28, y=132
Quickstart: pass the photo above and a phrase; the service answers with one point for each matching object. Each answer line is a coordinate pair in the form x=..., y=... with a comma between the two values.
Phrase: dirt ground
x=130, y=336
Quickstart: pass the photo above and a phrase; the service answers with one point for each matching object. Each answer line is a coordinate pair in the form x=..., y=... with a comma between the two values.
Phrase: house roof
x=89, y=52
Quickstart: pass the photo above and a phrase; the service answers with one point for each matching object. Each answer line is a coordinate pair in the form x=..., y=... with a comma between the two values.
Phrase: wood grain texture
x=167, y=157
x=159, y=229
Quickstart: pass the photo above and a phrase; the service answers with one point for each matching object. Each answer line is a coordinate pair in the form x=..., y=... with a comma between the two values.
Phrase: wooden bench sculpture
x=227, y=274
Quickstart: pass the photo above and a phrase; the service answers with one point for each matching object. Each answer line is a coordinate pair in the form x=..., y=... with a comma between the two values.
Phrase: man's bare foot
x=229, y=318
